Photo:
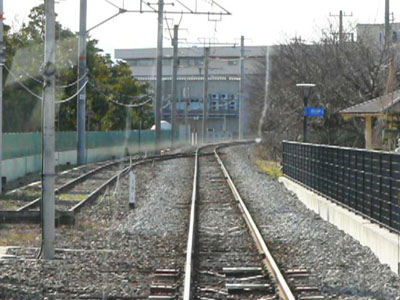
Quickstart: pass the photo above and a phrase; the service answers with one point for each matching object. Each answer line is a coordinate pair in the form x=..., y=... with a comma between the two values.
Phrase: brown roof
x=389, y=103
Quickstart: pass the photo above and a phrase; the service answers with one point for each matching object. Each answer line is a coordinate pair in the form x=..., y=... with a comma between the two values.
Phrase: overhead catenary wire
x=27, y=74
x=72, y=83
x=74, y=95
x=22, y=84
x=142, y=97
x=135, y=98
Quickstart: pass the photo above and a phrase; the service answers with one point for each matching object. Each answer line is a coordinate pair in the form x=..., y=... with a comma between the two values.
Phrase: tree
x=24, y=58
x=345, y=74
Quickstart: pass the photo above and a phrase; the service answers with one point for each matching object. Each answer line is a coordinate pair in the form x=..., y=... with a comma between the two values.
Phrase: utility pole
x=48, y=113
x=205, y=94
x=341, y=15
x=174, y=86
x=186, y=99
x=241, y=88
x=2, y=62
x=81, y=107
x=159, y=74
x=187, y=119
x=387, y=23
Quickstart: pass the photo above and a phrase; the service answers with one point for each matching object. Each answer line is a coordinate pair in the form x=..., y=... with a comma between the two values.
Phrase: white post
x=2, y=61
x=82, y=157
x=48, y=205
x=132, y=189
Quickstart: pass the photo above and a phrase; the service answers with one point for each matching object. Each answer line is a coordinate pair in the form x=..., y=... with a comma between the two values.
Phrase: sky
x=262, y=22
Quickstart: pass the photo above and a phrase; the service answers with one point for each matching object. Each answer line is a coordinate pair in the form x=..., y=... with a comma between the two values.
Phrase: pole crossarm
x=186, y=10
x=120, y=12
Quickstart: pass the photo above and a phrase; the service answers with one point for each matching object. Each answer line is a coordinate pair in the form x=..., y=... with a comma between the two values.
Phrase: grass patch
x=8, y=205
x=72, y=197
x=23, y=196
x=17, y=238
x=270, y=167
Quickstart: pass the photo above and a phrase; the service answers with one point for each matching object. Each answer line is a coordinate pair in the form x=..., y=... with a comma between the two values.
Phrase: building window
x=166, y=62
x=394, y=36
x=145, y=62
x=232, y=62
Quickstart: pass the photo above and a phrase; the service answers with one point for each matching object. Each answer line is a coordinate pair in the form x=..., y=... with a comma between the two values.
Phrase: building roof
x=227, y=52
x=389, y=103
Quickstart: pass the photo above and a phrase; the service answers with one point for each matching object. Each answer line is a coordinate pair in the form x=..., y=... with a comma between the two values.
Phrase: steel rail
x=92, y=196
x=187, y=291
x=83, y=177
x=71, y=184
x=283, y=287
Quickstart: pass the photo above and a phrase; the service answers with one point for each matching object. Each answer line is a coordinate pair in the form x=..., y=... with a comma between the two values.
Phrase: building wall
x=375, y=33
x=224, y=80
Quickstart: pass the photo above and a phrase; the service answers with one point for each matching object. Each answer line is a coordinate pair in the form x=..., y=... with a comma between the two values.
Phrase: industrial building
x=223, y=86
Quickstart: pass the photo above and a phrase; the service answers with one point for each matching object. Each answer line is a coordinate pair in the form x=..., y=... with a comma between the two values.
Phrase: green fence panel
x=27, y=144
x=66, y=141
x=21, y=144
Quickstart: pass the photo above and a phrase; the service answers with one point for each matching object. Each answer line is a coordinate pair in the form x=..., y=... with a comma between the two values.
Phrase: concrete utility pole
x=48, y=168
x=205, y=95
x=341, y=33
x=159, y=74
x=2, y=62
x=241, y=88
x=341, y=27
x=387, y=23
x=174, y=86
x=81, y=107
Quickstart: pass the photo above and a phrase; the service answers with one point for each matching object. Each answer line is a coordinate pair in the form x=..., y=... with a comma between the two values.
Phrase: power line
x=73, y=83
x=22, y=84
x=108, y=98
x=74, y=95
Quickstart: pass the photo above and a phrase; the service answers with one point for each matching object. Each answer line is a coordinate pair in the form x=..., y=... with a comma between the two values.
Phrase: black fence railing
x=367, y=182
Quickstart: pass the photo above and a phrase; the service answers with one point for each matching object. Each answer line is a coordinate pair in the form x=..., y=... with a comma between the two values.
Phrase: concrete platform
x=383, y=243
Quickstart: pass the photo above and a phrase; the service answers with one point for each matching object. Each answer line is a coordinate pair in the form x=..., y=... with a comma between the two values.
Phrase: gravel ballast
x=112, y=251
x=340, y=266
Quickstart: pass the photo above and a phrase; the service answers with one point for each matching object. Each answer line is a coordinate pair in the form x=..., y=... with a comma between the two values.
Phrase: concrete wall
x=382, y=242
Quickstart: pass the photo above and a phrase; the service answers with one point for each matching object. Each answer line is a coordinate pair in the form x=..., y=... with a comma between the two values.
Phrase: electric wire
x=142, y=97
x=74, y=95
x=129, y=105
x=73, y=83
x=22, y=84
x=30, y=76
x=135, y=98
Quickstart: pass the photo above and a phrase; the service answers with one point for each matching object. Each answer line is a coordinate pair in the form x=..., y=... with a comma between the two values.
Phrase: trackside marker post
x=132, y=189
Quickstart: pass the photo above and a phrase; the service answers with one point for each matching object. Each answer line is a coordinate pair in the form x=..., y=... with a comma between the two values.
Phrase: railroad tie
x=164, y=284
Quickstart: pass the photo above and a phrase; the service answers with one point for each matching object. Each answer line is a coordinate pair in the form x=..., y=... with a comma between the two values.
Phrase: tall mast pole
x=174, y=86
x=241, y=88
x=82, y=95
x=48, y=177
x=205, y=95
x=159, y=74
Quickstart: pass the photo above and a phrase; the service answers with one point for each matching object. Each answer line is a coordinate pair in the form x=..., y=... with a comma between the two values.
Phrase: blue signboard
x=315, y=111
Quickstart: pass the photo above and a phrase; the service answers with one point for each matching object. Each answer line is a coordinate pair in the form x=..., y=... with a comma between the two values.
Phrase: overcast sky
x=262, y=22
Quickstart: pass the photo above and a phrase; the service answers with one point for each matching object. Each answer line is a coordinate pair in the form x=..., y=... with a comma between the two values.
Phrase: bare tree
x=345, y=73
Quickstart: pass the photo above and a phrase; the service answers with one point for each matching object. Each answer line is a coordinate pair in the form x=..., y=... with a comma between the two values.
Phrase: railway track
x=227, y=257
x=75, y=189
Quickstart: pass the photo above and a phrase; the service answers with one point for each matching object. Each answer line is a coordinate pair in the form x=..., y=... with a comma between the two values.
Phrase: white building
x=224, y=78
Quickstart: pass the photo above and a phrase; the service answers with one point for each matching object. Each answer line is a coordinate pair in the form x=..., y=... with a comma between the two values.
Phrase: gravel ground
x=223, y=239
x=340, y=266
x=111, y=251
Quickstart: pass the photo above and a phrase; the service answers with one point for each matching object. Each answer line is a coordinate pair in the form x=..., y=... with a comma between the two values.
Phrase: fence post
x=390, y=192
x=380, y=187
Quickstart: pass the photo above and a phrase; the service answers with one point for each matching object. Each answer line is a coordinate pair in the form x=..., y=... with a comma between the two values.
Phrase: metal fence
x=367, y=182
x=26, y=144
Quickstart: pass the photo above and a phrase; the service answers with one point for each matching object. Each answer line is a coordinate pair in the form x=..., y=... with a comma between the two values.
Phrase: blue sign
x=315, y=111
